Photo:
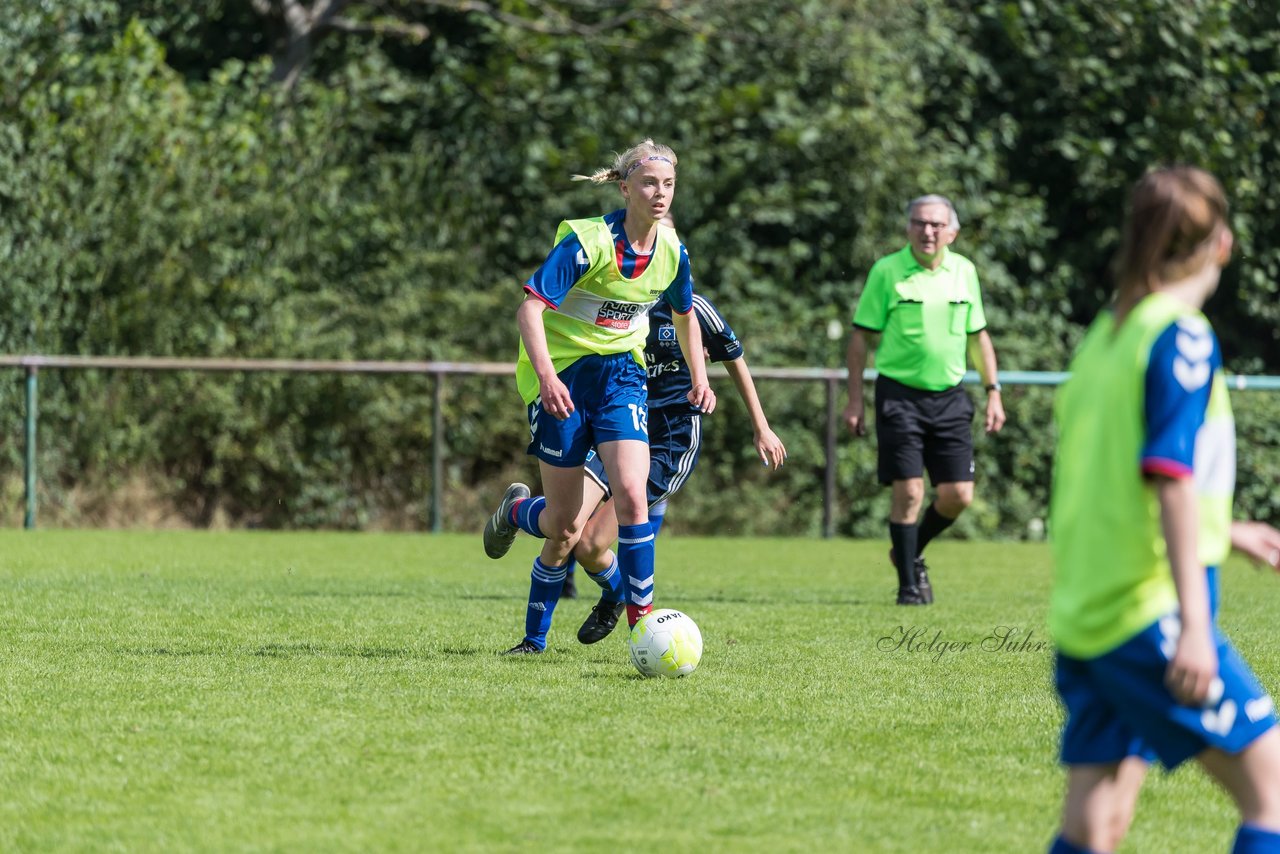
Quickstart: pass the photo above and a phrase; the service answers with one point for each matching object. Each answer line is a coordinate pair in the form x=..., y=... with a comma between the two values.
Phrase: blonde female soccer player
x=675, y=440
x=581, y=373
x=1140, y=519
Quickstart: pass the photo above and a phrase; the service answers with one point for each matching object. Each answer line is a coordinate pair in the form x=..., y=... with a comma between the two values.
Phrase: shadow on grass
x=771, y=601
x=612, y=673
x=355, y=593
x=718, y=598
x=464, y=651
x=292, y=650
x=282, y=650
x=164, y=651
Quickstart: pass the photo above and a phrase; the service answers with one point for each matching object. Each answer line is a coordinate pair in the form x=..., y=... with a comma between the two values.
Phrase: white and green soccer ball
x=665, y=642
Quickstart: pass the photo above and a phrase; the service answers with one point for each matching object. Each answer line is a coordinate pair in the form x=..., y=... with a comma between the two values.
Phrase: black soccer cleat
x=525, y=647
x=921, y=575
x=602, y=620
x=570, y=589
x=499, y=533
x=910, y=596
x=922, y=581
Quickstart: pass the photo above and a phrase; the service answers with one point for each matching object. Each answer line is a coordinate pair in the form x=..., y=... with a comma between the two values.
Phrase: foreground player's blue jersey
x=669, y=379
x=568, y=262
x=1178, y=382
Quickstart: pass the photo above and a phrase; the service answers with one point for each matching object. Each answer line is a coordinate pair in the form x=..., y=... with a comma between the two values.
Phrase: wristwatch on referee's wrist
x=993, y=387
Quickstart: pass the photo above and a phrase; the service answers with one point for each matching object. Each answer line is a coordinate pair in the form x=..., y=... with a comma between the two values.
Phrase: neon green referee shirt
x=925, y=317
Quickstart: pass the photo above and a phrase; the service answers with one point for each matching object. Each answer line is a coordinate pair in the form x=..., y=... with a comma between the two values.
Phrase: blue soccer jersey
x=568, y=263
x=1179, y=378
x=1118, y=703
x=669, y=378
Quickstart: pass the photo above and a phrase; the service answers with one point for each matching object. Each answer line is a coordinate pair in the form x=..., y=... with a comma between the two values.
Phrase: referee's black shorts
x=918, y=430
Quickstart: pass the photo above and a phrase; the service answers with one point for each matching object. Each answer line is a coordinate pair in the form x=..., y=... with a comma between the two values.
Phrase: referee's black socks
x=903, y=538
x=934, y=523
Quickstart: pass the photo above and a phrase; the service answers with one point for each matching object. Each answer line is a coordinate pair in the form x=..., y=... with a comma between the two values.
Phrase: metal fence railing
x=832, y=378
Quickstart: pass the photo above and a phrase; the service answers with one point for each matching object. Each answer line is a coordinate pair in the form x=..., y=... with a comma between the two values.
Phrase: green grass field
x=265, y=691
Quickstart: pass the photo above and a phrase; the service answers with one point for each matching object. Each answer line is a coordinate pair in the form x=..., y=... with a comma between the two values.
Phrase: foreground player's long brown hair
x=1174, y=214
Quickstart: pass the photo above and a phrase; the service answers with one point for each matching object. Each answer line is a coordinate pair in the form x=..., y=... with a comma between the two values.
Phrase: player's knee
x=591, y=551
x=562, y=529
x=631, y=508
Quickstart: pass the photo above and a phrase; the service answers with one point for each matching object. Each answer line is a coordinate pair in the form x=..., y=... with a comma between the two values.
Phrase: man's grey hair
x=934, y=199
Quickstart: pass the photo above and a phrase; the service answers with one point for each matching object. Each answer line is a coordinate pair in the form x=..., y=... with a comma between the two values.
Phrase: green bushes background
x=163, y=194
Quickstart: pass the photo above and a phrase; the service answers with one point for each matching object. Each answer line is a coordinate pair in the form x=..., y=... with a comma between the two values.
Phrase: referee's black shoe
x=911, y=596
x=602, y=620
x=922, y=581
x=921, y=575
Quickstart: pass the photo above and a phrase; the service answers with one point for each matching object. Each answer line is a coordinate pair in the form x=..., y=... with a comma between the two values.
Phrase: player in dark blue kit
x=675, y=438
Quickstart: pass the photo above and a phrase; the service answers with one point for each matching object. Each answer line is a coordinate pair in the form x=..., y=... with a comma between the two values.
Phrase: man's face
x=929, y=230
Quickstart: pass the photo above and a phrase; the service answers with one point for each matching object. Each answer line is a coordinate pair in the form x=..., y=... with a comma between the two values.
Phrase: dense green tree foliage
x=176, y=182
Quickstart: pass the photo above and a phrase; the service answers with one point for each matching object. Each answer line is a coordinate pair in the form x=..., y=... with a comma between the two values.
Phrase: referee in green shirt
x=921, y=310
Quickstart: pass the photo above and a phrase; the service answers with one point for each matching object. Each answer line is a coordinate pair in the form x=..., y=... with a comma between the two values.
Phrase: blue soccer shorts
x=1117, y=704
x=675, y=440
x=610, y=403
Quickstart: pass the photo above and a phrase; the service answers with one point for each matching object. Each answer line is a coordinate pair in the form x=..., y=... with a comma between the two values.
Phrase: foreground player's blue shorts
x=610, y=403
x=675, y=439
x=1118, y=706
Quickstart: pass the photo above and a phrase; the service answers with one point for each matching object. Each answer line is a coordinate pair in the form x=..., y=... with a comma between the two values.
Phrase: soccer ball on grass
x=665, y=642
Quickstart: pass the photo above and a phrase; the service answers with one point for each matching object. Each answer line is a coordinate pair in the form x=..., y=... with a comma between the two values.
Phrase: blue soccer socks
x=635, y=560
x=524, y=515
x=610, y=582
x=545, y=583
